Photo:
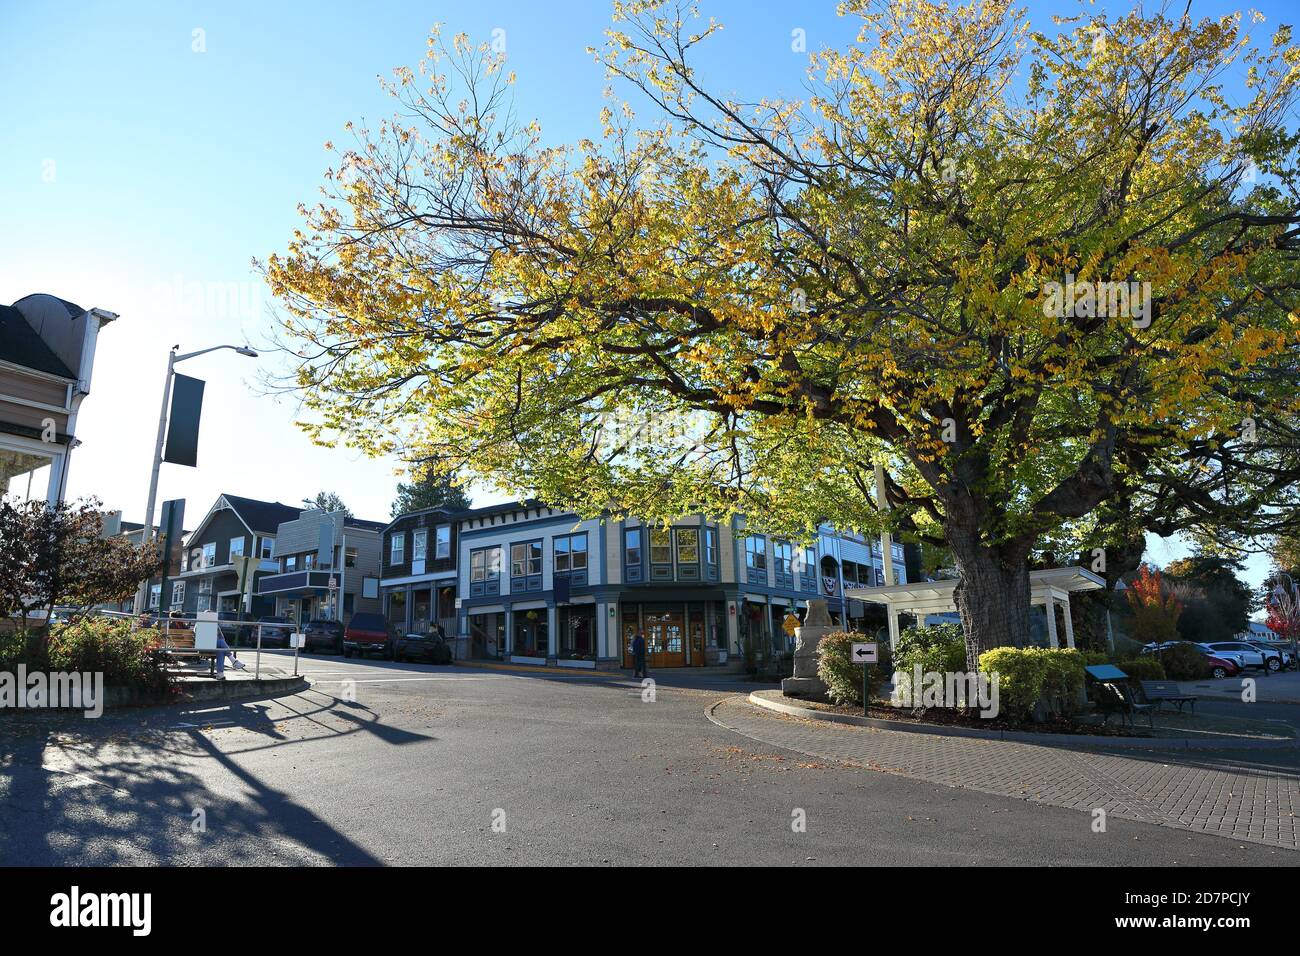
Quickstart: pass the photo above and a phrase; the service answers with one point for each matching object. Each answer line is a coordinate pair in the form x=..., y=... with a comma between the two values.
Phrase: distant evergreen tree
x=327, y=501
x=431, y=491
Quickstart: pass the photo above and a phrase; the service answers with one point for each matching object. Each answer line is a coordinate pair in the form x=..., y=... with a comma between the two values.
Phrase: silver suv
x=1248, y=655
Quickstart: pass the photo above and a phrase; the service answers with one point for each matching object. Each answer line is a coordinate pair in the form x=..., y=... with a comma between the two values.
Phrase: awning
x=1048, y=587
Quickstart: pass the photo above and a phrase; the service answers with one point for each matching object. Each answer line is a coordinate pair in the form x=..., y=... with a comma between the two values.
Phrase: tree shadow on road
x=138, y=788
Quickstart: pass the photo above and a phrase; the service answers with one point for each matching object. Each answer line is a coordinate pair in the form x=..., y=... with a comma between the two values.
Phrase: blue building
x=540, y=585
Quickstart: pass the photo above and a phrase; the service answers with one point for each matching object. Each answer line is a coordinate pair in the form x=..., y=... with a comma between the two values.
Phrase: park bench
x=1115, y=698
x=178, y=645
x=1158, y=691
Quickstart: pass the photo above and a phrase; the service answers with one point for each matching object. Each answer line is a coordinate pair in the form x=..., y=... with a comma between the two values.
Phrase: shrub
x=1021, y=672
x=835, y=667
x=1142, y=668
x=108, y=646
x=1062, y=678
x=940, y=647
x=1030, y=675
x=1184, y=662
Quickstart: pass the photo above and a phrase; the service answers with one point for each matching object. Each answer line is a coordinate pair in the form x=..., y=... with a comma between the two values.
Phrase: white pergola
x=1049, y=588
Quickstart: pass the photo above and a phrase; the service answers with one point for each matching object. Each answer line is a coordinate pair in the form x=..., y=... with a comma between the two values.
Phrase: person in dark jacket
x=638, y=656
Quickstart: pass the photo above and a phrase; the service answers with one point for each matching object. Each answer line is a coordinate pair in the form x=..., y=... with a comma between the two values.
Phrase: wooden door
x=665, y=635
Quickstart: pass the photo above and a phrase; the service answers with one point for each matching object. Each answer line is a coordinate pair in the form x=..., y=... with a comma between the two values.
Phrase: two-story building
x=233, y=527
x=47, y=353
x=327, y=567
x=419, y=571
x=538, y=584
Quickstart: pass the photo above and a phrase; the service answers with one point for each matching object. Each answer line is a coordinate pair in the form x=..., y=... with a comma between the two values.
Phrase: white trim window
x=237, y=547
x=210, y=555
x=484, y=564
x=442, y=542
x=419, y=544
x=397, y=547
x=178, y=594
x=155, y=593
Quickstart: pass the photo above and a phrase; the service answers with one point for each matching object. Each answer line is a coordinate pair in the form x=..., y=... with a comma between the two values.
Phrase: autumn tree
x=1283, y=606
x=52, y=555
x=1155, y=609
x=1028, y=272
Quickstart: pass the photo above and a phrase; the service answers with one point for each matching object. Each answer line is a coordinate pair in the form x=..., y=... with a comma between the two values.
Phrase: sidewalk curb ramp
x=1060, y=740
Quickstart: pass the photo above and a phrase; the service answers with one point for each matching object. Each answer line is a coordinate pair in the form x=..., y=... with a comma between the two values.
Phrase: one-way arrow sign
x=866, y=653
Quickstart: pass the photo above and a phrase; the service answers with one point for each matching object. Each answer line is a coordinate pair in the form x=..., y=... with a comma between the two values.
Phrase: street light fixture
x=172, y=359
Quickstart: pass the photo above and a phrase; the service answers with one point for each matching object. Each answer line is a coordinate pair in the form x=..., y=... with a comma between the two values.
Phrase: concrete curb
x=234, y=690
x=1017, y=736
x=188, y=692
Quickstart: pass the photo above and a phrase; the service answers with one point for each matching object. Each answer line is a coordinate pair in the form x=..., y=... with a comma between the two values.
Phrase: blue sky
x=135, y=171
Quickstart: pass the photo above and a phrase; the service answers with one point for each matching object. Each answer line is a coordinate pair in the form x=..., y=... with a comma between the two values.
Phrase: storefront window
x=397, y=609
x=578, y=632
x=531, y=637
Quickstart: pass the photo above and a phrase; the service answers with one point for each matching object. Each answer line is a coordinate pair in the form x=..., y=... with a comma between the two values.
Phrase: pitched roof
x=365, y=524
x=21, y=345
x=263, y=517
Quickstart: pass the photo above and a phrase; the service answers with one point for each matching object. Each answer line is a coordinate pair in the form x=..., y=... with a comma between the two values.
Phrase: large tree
x=1028, y=272
x=1217, y=604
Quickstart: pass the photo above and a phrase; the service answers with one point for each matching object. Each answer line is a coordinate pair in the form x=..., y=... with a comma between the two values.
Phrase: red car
x=368, y=634
x=1222, y=666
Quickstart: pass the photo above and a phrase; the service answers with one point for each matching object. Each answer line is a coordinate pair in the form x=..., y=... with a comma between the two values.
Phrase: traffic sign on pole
x=866, y=653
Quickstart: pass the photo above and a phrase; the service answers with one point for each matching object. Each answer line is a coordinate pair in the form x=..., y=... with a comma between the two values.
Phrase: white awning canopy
x=1048, y=587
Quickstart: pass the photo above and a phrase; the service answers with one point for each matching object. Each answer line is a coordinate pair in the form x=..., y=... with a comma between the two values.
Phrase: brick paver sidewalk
x=1254, y=798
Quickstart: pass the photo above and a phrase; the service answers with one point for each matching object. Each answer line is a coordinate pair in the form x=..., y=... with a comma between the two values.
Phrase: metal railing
x=228, y=630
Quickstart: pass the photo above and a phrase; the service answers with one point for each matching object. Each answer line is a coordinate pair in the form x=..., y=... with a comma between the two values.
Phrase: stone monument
x=805, y=682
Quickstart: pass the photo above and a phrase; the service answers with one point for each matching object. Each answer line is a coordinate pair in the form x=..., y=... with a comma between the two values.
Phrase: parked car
x=425, y=647
x=1165, y=645
x=323, y=636
x=1247, y=655
x=276, y=631
x=1222, y=666
x=230, y=627
x=368, y=634
x=1288, y=658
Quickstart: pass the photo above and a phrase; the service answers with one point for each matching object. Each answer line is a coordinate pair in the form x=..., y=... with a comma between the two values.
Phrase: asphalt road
x=456, y=766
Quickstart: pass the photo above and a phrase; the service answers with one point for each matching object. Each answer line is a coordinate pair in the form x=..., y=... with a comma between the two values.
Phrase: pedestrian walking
x=638, y=656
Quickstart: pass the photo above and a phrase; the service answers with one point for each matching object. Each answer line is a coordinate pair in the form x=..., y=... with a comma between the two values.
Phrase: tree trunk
x=992, y=594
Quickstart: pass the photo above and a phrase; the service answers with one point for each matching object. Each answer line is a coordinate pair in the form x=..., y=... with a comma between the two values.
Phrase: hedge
x=1030, y=675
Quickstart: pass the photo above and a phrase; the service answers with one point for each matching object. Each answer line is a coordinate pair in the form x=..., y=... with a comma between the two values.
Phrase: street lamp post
x=147, y=534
